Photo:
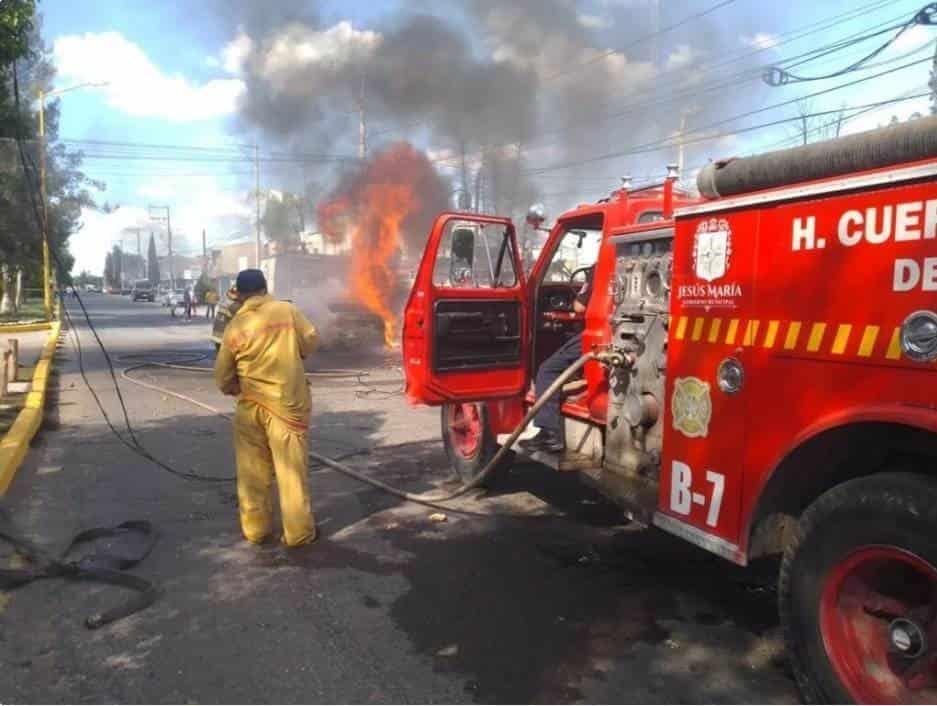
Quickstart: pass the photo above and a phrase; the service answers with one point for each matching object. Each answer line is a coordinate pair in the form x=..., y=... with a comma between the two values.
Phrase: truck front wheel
x=858, y=592
x=469, y=441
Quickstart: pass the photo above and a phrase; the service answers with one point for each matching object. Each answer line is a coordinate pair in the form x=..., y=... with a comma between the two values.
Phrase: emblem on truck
x=692, y=407
x=712, y=249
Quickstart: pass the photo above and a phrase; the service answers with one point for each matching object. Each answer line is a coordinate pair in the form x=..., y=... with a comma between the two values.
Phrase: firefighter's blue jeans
x=549, y=415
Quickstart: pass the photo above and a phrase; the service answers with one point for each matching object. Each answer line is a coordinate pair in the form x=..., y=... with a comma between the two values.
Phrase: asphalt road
x=540, y=593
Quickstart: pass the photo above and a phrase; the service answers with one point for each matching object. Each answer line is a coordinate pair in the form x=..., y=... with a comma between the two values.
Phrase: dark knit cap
x=251, y=281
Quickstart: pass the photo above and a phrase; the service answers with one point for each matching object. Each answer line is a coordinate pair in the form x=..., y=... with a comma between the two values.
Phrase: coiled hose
x=422, y=499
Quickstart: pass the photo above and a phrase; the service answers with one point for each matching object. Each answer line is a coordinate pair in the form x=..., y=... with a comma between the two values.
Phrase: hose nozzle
x=615, y=358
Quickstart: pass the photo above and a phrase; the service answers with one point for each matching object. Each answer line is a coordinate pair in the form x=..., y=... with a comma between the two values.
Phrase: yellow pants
x=264, y=446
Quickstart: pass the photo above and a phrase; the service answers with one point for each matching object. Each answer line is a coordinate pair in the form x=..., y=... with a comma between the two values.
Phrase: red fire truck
x=777, y=386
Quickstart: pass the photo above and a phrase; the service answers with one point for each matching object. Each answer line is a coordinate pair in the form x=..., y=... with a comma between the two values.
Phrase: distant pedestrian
x=187, y=302
x=211, y=301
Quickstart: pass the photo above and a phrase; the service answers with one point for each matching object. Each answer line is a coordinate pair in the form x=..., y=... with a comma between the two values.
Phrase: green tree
x=25, y=67
x=204, y=284
x=16, y=22
x=152, y=262
x=108, y=270
x=117, y=267
x=283, y=221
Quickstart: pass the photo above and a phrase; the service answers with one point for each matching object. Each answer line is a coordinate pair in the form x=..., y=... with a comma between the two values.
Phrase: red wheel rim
x=878, y=619
x=465, y=429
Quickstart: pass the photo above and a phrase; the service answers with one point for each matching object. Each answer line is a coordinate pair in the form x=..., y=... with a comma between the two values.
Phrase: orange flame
x=373, y=276
x=375, y=206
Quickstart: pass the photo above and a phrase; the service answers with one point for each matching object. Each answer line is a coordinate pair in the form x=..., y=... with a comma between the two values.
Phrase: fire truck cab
x=775, y=390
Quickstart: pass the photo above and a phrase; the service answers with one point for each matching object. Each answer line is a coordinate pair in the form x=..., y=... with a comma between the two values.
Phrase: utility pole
x=362, y=125
x=139, y=249
x=46, y=270
x=204, y=255
x=257, y=185
x=680, y=150
x=44, y=226
x=933, y=84
x=466, y=196
x=172, y=274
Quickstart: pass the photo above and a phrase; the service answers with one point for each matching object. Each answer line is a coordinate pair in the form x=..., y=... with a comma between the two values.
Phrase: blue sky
x=174, y=79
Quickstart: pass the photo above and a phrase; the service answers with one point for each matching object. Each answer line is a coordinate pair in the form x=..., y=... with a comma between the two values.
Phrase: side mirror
x=536, y=215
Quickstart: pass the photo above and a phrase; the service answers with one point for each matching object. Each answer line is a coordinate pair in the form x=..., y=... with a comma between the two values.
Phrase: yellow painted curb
x=15, y=443
x=26, y=328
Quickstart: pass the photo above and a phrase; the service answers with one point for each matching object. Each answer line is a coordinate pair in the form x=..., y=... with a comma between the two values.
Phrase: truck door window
x=578, y=248
x=475, y=255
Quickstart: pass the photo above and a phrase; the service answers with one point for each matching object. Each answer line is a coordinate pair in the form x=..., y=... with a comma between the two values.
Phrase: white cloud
x=196, y=203
x=593, y=21
x=138, y=87
x=917, y=36
x=298, y=49
x=682, y=56
x=98, y=232
x=883, y=116
x=760, y=40
x=514, y=40
x=235, y=53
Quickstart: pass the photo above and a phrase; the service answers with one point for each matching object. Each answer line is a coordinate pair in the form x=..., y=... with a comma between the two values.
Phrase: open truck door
x=465, y=332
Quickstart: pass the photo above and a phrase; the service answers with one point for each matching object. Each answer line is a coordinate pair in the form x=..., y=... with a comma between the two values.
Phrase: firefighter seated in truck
x=463, y=256
x=550, y=437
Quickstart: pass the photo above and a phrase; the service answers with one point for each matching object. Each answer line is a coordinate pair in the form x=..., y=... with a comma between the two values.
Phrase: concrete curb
x=15, y=443
x=26, y=328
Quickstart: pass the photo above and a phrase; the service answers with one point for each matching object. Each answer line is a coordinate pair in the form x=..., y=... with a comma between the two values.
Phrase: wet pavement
x=536, y=591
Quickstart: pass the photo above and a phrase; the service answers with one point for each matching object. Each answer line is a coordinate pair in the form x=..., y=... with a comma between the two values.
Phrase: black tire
x=466, y=467
x=891, y=510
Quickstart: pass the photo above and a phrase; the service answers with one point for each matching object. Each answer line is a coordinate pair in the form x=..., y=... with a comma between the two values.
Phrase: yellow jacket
x=211, y=297
x=260, y=358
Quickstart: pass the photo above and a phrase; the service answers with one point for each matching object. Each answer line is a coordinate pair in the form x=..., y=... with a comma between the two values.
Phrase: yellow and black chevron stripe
x=820, y=337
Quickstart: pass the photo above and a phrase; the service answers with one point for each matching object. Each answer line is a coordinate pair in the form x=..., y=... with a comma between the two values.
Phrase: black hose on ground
x=428, y=500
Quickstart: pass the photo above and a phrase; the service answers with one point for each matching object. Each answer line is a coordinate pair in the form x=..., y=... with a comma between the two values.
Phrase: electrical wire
x=926, y=16
x=670, y=142
x=636, y=42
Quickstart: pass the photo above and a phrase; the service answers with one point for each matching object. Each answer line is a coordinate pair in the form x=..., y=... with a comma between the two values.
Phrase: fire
x=390, y=198
x=373, y=275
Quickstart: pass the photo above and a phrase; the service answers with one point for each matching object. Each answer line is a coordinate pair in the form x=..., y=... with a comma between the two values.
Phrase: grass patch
x=10, y=408
x=29, y=311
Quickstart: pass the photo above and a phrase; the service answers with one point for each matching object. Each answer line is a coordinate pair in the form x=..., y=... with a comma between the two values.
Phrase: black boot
x=535, y=442
x=554, y=443
x=546, y=440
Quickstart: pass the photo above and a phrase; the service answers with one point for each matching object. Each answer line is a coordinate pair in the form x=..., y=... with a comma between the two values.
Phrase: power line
x=672, y=141
x=731, y=81
x=221, y=154
x=640, y=40
x=776, y=76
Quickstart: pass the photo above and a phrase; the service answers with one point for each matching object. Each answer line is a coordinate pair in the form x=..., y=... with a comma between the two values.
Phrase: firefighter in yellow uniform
x=260, y=362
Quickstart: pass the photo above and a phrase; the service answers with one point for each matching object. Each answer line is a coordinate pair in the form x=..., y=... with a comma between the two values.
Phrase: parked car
x=143, y=291
x=173, y=298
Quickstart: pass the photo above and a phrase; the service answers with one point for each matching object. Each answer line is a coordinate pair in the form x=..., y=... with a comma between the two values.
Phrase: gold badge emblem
x=692, y=407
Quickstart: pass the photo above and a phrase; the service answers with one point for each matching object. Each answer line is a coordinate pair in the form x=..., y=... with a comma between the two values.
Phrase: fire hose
x=100, y=567
x=423, y=499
